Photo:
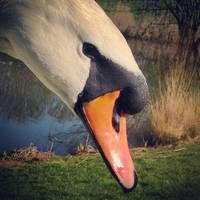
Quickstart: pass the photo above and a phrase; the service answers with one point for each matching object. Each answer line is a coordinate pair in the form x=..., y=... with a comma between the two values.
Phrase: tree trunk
x=187, y=49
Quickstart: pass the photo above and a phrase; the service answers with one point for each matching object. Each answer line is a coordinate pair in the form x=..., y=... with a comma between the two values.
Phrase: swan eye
x=90, y=50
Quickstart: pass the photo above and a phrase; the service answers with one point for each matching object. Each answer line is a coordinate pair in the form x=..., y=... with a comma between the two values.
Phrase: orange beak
x=112, y=141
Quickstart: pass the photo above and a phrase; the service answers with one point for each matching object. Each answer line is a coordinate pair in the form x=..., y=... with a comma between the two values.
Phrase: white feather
x=48, y=37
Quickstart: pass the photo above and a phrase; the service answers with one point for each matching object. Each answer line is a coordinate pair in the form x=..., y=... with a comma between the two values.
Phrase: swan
x=76, y=51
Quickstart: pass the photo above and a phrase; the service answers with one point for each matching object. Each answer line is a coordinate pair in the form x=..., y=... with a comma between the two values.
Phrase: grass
x=175, y=113
x=164, y=173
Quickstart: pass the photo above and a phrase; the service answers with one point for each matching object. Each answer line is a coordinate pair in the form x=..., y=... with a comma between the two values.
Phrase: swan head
x=79, y=54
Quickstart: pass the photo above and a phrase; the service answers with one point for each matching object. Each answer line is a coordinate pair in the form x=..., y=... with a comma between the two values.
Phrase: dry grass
x=27, y=154
x=124, y=19
x=175, y=115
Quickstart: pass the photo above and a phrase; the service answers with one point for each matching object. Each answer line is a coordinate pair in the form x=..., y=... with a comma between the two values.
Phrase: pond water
x=29, y=113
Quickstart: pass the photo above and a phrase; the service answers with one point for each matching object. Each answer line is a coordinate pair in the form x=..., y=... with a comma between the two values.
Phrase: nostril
x=116, y=117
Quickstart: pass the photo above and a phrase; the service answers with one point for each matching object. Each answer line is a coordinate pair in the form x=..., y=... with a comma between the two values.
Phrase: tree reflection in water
x=24, y=99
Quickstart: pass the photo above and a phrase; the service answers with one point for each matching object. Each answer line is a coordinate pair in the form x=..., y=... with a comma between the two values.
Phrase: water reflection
x=31, y=113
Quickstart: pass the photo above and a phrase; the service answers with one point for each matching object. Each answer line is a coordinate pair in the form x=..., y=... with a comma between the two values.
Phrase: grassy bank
x=164, y=173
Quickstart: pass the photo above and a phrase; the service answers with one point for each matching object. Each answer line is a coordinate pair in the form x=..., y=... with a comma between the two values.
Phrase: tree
x=187, y=15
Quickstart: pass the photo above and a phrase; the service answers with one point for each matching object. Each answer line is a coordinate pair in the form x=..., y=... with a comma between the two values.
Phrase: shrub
x=175, y=112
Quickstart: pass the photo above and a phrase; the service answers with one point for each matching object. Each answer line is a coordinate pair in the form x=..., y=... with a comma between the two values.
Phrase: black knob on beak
x=134, y=97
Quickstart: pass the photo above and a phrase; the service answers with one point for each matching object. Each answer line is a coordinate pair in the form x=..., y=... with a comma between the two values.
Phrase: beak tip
x=133, y=186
